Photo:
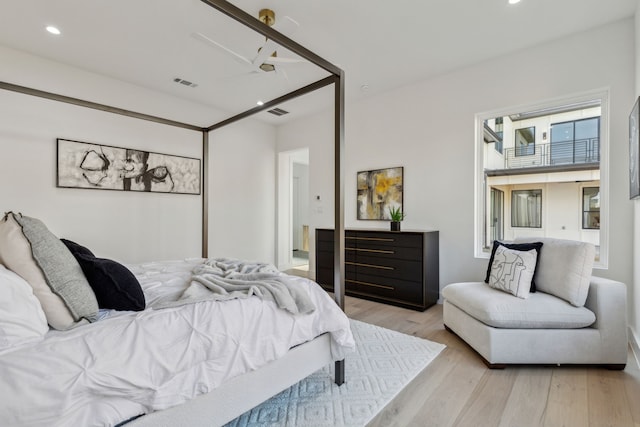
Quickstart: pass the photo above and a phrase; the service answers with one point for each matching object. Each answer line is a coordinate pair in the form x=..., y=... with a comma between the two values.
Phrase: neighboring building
x=542, y=174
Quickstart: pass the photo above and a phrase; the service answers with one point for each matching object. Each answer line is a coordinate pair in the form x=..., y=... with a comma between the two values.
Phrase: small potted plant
x=396, y=216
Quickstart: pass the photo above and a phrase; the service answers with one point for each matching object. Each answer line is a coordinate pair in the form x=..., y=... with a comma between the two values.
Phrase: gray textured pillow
x=564, y=268
x=29, y=249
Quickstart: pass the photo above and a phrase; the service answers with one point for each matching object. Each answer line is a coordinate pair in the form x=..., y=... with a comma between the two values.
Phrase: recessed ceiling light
x=53, y=30
x=514, y=1
x=260, y=103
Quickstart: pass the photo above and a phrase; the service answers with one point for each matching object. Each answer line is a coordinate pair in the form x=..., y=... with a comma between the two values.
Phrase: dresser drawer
x=389, y=289
x=393, y=252
x=381, y=239
x=324, y=277
x=324, y=246
x=324, y=235
x=325, y=260
x=393, y=268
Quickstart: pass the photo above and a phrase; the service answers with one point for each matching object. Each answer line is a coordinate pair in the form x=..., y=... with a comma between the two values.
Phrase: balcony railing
x=554, y=154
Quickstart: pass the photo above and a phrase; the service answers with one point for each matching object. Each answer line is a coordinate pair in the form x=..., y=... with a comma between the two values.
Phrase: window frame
x=525, y=150
x=573, y=140
x=480, y=190
x=538, y=192
x=586, y=212
x=498, y=145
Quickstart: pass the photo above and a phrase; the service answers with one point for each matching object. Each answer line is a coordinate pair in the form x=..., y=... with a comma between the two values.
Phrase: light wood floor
x=457, y=389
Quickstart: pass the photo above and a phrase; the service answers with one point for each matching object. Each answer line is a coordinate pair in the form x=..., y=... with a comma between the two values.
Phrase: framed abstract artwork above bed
x=105, y=167
x=379, y=191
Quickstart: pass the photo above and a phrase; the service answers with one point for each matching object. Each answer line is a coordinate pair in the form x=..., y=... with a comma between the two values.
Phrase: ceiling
x=381, y=45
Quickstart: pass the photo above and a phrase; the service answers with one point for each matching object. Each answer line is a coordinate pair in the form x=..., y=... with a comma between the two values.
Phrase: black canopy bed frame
x=301, y=361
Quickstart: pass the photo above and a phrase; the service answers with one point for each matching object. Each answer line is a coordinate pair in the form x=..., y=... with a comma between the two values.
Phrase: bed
x=198, y=363
x=208, y=395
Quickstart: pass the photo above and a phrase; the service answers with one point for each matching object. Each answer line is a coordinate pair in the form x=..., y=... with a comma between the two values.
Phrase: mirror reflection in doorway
x=300, y=212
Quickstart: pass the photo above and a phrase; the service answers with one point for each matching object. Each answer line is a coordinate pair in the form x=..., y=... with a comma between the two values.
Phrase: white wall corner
x=634, y=342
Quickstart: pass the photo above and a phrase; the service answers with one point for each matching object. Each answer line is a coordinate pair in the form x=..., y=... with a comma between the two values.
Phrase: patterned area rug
x=384, y=363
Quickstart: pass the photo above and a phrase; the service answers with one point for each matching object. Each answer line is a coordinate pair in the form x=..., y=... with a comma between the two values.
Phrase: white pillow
x=565, y=268
x=30, y=250
x=21, y=316
x=512, y=271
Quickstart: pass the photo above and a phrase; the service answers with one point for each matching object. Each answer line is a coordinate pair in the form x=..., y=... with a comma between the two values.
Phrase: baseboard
x=635, y=345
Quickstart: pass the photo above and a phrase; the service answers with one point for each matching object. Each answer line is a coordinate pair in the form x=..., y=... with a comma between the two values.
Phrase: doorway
x=293, y=210
x=300, y=215
x=497, y=213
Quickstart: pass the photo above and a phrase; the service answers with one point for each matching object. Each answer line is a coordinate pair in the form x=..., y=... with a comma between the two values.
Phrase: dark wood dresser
x=393, y=267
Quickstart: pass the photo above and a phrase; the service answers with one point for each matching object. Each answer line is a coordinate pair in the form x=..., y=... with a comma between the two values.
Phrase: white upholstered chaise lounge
x=573, y=318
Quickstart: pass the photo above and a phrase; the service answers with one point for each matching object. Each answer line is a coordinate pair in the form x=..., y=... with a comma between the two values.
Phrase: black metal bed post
x=258, y=26
x=95, y=106
x=338, y=239
x=205, y=194
x=338, y=76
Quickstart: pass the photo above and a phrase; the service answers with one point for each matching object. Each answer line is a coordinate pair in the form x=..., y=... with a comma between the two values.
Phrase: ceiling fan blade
x=286, y=26
x=279, y=60
x=280, y=71
x=210, y=42
x=265, y=52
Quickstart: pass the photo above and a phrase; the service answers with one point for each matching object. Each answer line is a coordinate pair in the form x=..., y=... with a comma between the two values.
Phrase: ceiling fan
x=266, y=59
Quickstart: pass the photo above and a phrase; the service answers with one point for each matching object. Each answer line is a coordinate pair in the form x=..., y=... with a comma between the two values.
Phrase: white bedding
x=131, y=363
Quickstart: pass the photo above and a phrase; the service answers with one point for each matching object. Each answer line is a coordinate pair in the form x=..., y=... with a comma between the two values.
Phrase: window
x=526, y=208
x=525, y=141
x=591, y=208
x=497, y=212
x=576, y=141
x=535, y=163
x=499, y=132
x=493, y=132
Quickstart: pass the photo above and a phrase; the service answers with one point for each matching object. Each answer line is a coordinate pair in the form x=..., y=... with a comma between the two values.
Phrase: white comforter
x=132, y=363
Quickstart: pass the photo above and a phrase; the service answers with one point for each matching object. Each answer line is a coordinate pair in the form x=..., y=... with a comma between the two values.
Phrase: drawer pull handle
x=377, y=251
x=382, y=267
x=376, y=239
x=357, y=282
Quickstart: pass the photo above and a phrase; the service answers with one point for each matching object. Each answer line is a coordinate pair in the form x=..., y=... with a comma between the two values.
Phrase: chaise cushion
x=501, y=310
x=564, y=268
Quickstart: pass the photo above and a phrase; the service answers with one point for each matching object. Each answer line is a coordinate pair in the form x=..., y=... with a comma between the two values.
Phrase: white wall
x=429, y=129
x=634, y=300
x=243, y=191
x=561, y=211
x=127, y=226
x=32, y=71
x=319, y=139
x=132, y=227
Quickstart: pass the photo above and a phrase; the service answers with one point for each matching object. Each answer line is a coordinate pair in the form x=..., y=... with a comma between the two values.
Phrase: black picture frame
x=87, y=165
x=378, y=191
x=634, y=151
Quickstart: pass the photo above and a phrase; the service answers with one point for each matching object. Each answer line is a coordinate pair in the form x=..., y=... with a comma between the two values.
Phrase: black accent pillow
x=75, y=248
x=516, y=247
x=113, y=284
